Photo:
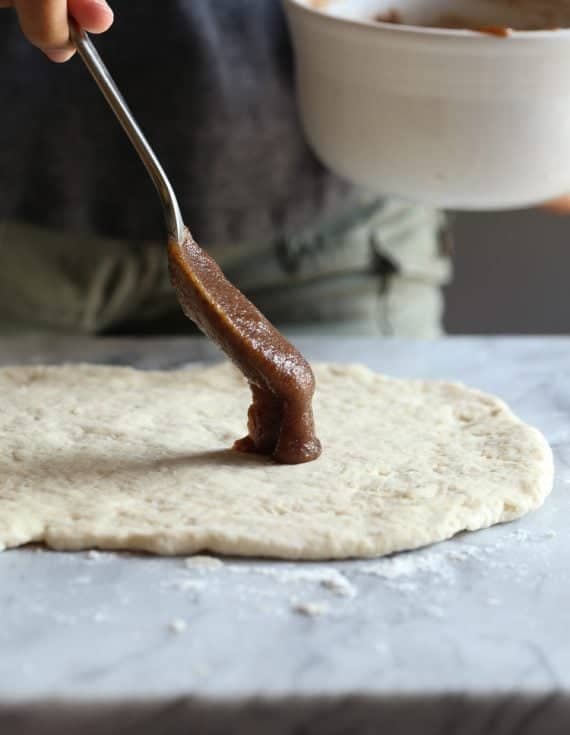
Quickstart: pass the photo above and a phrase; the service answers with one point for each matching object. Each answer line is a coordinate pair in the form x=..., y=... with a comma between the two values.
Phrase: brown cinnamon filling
x=280, y=418
x=449, y=21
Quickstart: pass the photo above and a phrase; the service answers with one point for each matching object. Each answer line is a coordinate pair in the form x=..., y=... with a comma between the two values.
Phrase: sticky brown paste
x=280, y=418
x=449, y=21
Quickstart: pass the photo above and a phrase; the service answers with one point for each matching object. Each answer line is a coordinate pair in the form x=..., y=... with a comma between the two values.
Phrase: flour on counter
x=403, y=571
x=339, y=585
x=462, y=553
x=328, y=578
x=185, y=585
x=408, y=565
x=177, y=626
x=310, y=609
x=408, y=588
x=204, y=563
x=94, y=555
x=521, y=535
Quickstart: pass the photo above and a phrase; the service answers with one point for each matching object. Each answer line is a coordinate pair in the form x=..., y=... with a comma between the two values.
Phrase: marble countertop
x=483, y=616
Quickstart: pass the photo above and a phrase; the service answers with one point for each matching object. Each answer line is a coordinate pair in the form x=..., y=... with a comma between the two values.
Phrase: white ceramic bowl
x=453, y=118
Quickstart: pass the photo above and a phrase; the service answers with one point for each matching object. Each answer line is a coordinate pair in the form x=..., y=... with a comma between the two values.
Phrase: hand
x=558, y=206
x=44, y=22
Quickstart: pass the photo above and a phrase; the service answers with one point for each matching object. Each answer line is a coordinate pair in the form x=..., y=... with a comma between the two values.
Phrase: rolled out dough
x=117, y=458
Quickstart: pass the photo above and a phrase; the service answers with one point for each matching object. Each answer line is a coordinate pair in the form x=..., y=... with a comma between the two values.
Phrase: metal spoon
x=99, y=72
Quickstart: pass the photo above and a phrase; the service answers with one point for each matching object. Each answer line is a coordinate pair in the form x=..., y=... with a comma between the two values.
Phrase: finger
x=94, y=16
x=45, y=25
x=559, y=206
x=45, y=22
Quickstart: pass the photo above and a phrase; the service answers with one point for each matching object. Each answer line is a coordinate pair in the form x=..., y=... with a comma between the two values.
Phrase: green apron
x=377, y=269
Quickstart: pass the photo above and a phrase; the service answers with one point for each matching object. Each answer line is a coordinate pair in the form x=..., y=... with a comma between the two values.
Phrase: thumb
x=94, y=16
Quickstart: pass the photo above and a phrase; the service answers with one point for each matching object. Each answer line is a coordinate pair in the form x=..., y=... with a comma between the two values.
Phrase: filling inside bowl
x=496, y=17
x=458, y=22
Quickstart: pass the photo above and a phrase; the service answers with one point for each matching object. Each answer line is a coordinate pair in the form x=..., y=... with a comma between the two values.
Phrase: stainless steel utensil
x=99, y=72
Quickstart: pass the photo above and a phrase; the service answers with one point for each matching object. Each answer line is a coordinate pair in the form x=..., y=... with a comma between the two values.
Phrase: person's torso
x=212, y=86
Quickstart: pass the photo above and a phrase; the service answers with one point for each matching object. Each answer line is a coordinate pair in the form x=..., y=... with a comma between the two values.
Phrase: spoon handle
x=116, y=101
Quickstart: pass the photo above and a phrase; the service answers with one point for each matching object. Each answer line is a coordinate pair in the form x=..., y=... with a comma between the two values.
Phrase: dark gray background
x=511, y=274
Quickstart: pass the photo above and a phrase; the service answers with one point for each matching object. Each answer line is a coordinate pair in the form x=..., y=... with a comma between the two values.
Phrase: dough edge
x=184, y=543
